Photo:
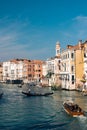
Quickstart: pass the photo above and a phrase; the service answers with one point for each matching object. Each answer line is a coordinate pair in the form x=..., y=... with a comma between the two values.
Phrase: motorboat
x=73, y=109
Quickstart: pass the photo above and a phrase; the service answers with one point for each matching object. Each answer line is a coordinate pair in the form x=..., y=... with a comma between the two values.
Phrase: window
x=7, y=75
x=39, y=66
x=72, y=68
x=72, y=55
x=72, y=79
x=29, y=75
x=59, y=67
x=58, y=51
x=68, y=77
x=85, y=55
x=29, y=69
x=6, y=68
x=68, y=55
x=59, y=61
x=12, y=71
x=64, y=66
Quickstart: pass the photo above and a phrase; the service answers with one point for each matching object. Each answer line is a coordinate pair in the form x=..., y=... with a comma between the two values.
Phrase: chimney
x=80, y=42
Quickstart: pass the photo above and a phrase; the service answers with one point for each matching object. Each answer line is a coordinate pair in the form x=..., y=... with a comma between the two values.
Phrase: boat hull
x=37, y=94
x=73, y=113
x=1, y=94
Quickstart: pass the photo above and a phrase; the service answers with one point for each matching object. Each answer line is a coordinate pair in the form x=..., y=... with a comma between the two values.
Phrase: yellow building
x=80, y=64
x=74, y=66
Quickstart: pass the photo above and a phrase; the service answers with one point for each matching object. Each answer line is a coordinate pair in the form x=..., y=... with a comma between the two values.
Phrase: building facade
x=37, y=69
x=74, y=66
x=22, y=69
x=68, y=69
x=52, y=68
x=12, y=70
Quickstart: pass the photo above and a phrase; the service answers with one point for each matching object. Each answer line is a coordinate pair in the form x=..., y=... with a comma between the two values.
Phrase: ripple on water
x=38, y=113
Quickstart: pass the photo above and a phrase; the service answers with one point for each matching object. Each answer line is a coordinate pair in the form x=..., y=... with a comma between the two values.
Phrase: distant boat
x=1, y=93
x=32, y=89
x=20, y=86
x=73, y=109
x=84, y=92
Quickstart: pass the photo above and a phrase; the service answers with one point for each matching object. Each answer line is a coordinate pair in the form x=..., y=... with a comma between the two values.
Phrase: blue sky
x=31, y=28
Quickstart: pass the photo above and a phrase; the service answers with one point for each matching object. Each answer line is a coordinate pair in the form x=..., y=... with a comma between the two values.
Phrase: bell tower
x=57, y=49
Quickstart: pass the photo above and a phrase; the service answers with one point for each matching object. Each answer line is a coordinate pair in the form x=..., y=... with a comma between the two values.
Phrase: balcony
x=64, y=73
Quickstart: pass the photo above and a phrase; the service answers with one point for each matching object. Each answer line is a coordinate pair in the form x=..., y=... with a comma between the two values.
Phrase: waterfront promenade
x=18, y=111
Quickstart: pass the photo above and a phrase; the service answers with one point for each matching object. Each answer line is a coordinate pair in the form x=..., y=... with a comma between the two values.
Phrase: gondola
x=32, y=89
x=37, y=94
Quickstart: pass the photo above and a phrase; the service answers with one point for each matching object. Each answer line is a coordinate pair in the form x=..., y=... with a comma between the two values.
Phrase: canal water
x=19, y=112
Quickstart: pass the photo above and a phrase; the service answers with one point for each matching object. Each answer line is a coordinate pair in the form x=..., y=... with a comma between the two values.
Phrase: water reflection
x=75, y=96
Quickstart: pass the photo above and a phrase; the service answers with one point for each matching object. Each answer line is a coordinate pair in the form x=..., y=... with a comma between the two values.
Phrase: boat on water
x=32, y=89
x=73, y=109
x=84, y=92
x=37, y=93
x=1, y=93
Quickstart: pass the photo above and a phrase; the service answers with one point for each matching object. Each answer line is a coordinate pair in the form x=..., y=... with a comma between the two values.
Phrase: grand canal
x=19, y=112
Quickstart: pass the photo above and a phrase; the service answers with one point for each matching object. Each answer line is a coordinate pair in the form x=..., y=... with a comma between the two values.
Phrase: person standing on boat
x=29, y=90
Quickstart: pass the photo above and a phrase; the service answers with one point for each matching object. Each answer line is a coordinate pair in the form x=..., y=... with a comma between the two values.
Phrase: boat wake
x=83, y=118
x=82, y=122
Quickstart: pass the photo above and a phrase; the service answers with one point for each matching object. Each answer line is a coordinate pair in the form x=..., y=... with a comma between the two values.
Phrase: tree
x=49, y=74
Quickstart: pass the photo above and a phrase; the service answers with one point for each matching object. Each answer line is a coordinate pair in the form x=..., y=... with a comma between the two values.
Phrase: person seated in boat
x=72, y=108
x=75, y=106
x=79, y=109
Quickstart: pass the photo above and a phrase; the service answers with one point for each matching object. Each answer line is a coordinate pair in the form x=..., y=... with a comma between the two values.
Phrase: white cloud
x=10, y=38
x=17, y=37
x=80, y=19
x=16, y=42
x=80, y=26
x=75, y=30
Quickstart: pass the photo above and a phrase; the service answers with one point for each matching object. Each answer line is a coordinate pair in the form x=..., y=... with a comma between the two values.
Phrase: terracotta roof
x=78, y=46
